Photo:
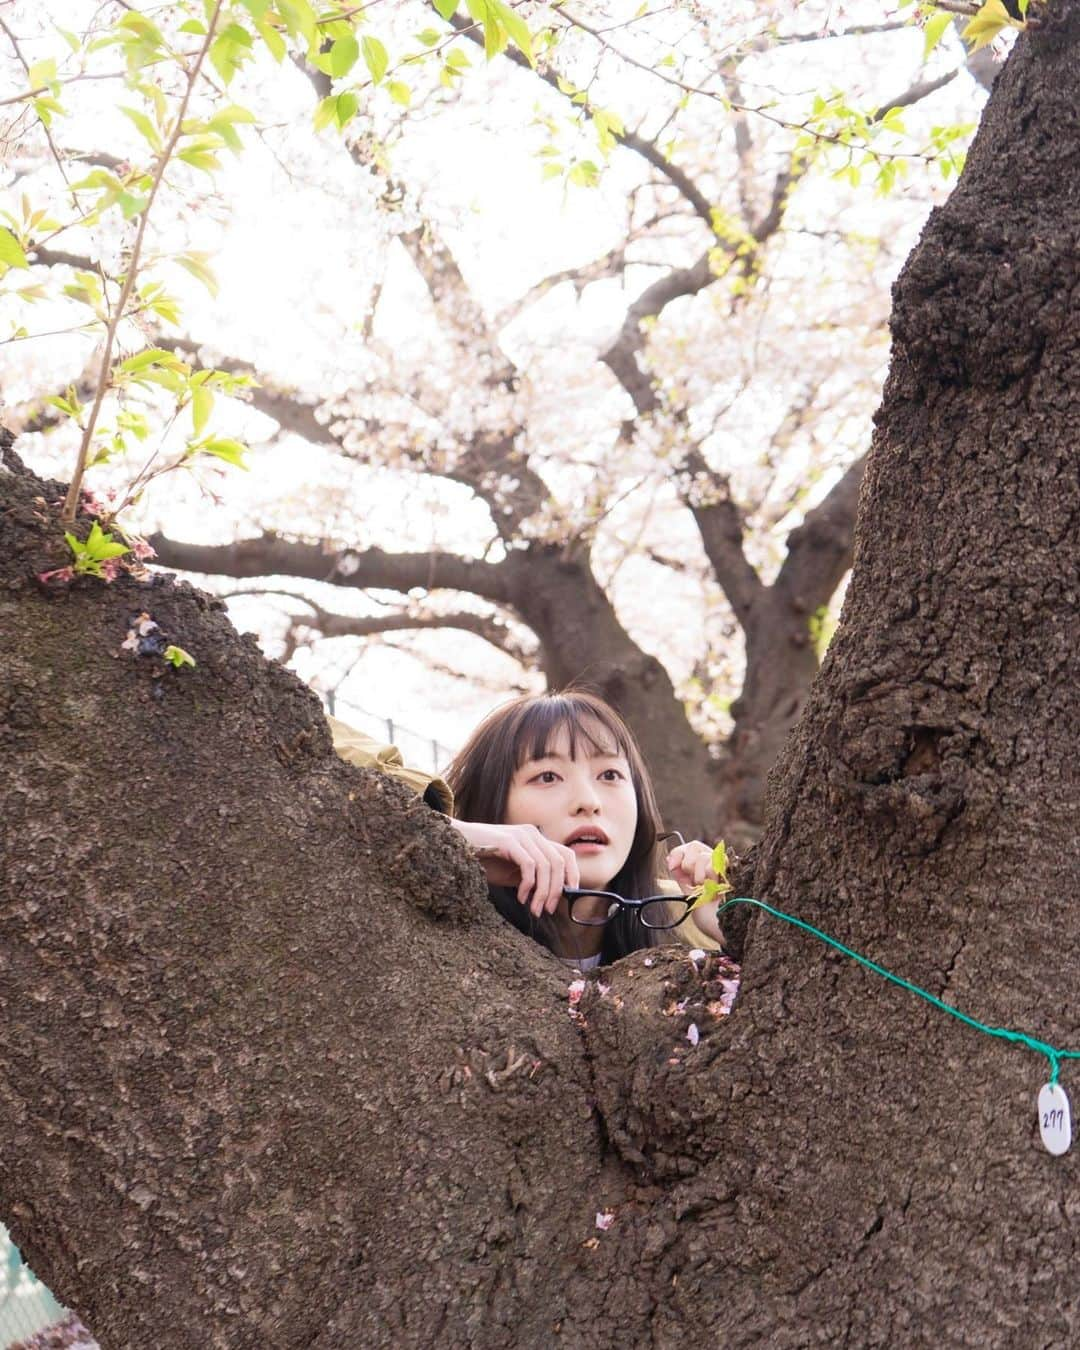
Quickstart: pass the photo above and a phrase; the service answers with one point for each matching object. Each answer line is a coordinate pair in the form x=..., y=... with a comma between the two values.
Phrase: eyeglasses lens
x=663, y=913
x=592, y=909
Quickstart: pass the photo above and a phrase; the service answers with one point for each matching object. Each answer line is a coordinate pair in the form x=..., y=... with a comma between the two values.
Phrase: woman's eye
x=612, y=775
x=547, y=776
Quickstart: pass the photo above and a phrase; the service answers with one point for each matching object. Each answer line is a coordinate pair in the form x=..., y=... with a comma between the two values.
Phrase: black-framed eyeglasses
x=593, y=909
x=654, y=911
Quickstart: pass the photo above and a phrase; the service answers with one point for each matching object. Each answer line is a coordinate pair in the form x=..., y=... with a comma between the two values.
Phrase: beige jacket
x=354, y=746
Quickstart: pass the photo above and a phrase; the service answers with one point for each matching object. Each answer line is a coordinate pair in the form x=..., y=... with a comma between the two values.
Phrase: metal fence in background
x=417, y=750
x=26, y=1306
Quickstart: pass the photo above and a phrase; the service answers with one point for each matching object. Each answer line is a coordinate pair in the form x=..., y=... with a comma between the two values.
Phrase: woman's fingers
x=520, y=855
x=564, y=872
x=556, y=868
x=527, y=867
x=691, y=864
x=542, y=889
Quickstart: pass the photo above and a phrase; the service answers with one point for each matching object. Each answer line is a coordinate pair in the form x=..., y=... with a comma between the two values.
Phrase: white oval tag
x=1055, y=1120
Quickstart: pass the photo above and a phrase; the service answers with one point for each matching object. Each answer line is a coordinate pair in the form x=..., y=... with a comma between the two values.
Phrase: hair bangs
x=584, y=722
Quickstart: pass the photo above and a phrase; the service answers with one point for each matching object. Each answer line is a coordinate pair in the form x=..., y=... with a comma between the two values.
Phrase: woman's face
x=586, y=802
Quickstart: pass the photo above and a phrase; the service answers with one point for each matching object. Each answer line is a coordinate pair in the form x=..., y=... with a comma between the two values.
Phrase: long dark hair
x=481, y=774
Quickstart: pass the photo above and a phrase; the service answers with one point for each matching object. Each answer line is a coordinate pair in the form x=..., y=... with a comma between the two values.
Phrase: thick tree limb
x=59, y=257
x=819, y=550
x=330, y=624
x=720, y=523
x=363, y=569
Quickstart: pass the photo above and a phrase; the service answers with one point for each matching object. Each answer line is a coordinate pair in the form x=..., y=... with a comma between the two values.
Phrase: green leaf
x=144, y=126
x=200, y=269
x=153, y=356
x=429, y=37
x=987, y=24
x=400, y=93
x=483, y=11
x=230, y=50
x=165, y=307
x=99, y=547
x=343, y=55
x=45, y=107
x=444, y=8
x=223, y=448
x=11, y=254
x=584, y=173
x=934, y=31
x=457, y=58
x=70, y=406
x=346, y=106
x=177, y=657
x=202, y=405
x=234, y=112
x=200, y=158
x=274, y=41
x=325, y=112
x=300, y=18
x=42, y=72
x=375, y=57
x=130, y=204
x=517, y=28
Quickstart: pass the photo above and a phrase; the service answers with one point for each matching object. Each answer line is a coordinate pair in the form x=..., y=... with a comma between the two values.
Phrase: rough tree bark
x=270, y=1073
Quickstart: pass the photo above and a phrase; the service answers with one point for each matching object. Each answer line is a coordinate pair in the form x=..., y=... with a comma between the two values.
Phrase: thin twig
x=71, y=502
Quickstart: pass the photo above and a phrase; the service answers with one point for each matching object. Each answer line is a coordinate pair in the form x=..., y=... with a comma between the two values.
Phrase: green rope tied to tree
x=1053, y=1055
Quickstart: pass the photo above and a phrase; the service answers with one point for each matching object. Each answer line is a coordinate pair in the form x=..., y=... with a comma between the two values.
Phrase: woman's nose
x=587, y=799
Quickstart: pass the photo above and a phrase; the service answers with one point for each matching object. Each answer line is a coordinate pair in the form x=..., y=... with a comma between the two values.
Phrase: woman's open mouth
x=588, y=841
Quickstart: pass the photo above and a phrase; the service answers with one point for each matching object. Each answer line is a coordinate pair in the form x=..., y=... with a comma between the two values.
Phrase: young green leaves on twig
x=97, y=549
x=713, y=890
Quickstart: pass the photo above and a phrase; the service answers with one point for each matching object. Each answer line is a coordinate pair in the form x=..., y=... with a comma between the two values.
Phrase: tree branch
x=332, y=625
x=819, y=550
x=492, y=465
x=708, y=496
x=58, y=257
x=640, y=145
x=621, y=357
x=363, y=569
x=915, y=93
x=856, y=30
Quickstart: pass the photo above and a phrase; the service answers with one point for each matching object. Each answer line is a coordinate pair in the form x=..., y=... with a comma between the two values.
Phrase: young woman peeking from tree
x=553, y=794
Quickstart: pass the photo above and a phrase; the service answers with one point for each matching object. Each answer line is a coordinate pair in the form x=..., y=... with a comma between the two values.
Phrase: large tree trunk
x=271, y=1075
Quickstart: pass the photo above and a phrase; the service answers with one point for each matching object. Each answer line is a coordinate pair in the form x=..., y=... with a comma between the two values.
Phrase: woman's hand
x=519, y=855
x=690, y=864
